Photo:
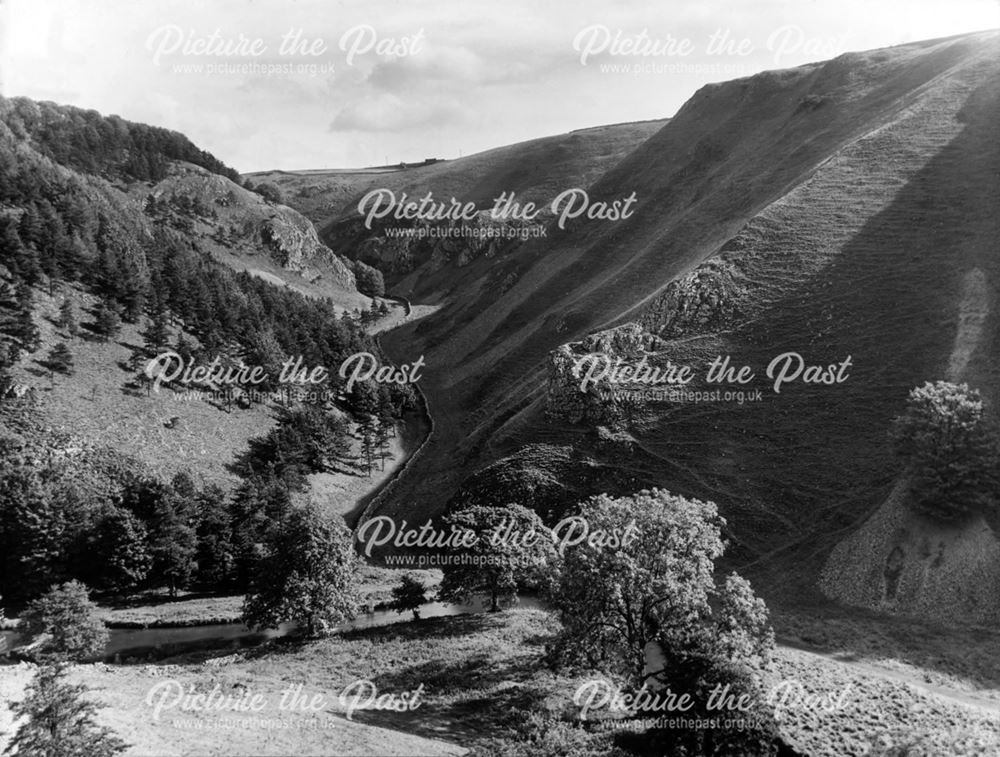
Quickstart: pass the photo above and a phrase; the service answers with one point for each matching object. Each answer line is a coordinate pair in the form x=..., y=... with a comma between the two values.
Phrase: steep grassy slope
x=538, y=169
x=832, y=210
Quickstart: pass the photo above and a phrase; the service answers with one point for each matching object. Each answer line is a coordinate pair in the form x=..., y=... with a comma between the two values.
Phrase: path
x=955, y=696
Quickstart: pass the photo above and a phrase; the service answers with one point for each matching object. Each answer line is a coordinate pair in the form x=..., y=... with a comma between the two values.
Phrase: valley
x=764, y=328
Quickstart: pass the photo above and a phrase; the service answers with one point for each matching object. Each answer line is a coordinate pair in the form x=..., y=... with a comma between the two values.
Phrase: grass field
x=479, y=674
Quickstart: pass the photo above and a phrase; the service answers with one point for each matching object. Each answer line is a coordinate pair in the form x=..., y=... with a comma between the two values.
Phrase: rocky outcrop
x=293, y=243
x=706, y=299
x=600, y=402
x=901, y=562
x=245, y=223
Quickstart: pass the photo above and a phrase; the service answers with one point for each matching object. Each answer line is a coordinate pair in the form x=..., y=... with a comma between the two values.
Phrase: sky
x=301, y=84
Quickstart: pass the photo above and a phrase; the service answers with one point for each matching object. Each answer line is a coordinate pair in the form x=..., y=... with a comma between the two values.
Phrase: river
x=155, y=643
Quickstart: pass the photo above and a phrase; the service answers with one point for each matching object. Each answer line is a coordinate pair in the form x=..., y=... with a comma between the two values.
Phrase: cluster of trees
x=951, y=450
x=144, y=534
x=103, y=145
x=648, y=612
x=306, y=440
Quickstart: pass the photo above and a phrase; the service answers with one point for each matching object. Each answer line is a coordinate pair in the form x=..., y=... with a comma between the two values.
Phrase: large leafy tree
x=509, y=546
x=611, y=599
x=307, y=575
x=655, y=590
x=950, y=449
x=69, y=620
x=58, y=721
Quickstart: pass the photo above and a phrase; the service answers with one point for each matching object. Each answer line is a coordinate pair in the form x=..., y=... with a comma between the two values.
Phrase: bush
x=950, y=450
x=270, y=192
x=70, y=620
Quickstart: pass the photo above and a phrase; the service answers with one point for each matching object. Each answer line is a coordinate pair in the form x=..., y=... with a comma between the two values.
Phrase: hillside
x=103, y=171
x=832, y=210
x=537, y=169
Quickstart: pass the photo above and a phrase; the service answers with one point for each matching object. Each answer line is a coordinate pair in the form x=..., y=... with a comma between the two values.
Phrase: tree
x=172, y=543
x=23, y=327
x=659, y=576
x=382, y=441
x=58, y=721
x=265, y=351
x=60, y=359
x=119, y=551
x=368, y=445
x=507, y=546
x=647, y=607
x=408, y=594
x=67, y=318
x=33, y=527
x=307, y=575
x=107, y=322
x=70, y=620
x=156, y=335
x=216, y=557
x=951, y=451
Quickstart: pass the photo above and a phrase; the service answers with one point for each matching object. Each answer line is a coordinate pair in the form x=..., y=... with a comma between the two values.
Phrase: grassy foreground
x=481, y=676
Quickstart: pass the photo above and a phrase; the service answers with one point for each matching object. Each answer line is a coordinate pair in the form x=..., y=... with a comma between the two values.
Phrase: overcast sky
x=362, y=83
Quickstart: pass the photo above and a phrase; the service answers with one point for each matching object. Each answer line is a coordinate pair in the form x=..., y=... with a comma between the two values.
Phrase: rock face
x=293, y=243
x=901, y=562
x=247, y=225
x=599, y=402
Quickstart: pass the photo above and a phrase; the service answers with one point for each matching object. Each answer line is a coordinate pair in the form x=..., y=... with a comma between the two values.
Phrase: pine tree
x=368, y=445
x=71, y=621
x=156, y=334
x=58, y=721
x=382, y=441
x=24, y=328
x=173, y=543
x=107, y=323
x=67, y=318
x=60, y=360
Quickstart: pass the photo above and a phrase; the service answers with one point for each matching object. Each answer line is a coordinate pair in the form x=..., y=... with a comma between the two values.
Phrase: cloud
x=387, y=112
